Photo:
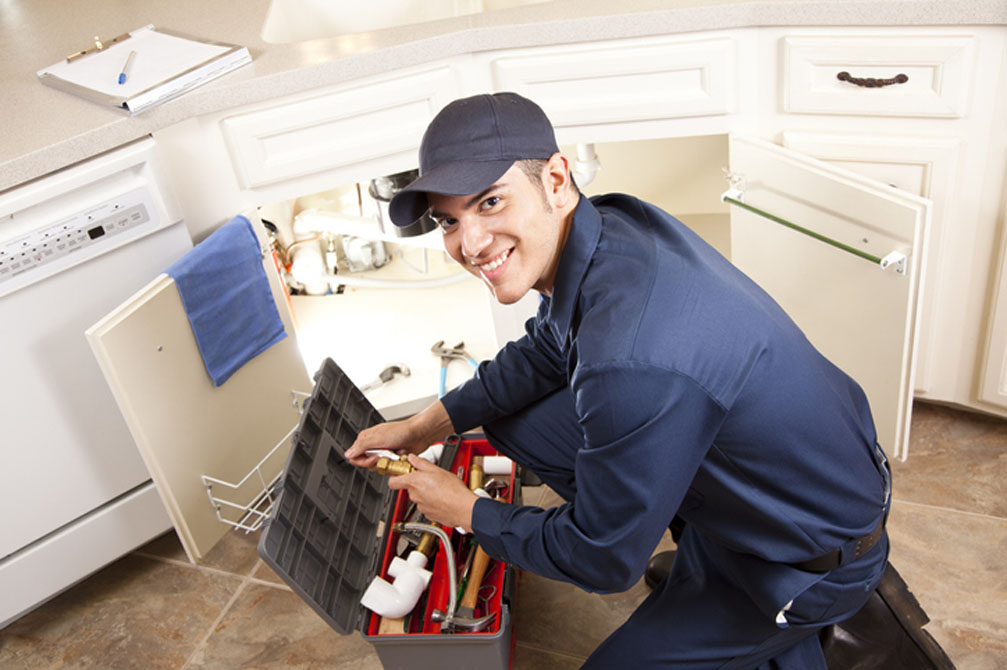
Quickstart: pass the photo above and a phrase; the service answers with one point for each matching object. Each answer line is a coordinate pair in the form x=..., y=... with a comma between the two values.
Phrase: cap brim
x=457, y=178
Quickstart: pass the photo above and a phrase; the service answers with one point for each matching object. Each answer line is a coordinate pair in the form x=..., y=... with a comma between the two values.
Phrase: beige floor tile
x=164, y=546
x=269, y=628
x=566, y=619
x=266, y=574
x=136, y=613
x=956, y=459
x=953, y=563
x=948, y=529
x=235, y=553
x=530, y=658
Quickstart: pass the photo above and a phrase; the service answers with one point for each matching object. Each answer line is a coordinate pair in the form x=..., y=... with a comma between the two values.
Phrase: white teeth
x=495, y=263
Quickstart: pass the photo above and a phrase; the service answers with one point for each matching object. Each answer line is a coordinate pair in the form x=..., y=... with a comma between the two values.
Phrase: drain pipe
x=586, y=166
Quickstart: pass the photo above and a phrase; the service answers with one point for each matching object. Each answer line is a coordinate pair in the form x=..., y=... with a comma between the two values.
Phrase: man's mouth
x=495, y=262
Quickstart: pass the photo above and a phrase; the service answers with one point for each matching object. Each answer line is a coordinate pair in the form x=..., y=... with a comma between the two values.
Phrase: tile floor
x=152, y=609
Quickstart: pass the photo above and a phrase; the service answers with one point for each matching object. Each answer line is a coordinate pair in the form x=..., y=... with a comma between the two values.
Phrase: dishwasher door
x=72, y=247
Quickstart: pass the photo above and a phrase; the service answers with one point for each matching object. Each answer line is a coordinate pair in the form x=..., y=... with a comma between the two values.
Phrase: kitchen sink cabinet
x=922, y=165
x=935, y=137
x=938, y=135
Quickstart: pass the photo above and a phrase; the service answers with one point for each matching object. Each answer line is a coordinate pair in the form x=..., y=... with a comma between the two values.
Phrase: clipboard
x=164, y=65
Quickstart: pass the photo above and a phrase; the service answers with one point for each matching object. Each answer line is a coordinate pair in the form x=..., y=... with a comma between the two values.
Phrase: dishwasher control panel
x=53, y=247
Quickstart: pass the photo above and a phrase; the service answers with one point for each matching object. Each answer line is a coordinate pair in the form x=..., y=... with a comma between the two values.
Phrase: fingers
x=357, y=455
x=438, y=495
x=422, y=464
x=375, y=437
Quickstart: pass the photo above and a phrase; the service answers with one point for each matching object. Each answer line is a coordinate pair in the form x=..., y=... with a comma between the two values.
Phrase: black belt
x=861, y=545
x=834, y=558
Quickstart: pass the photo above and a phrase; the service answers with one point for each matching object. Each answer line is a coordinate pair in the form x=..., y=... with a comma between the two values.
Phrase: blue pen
x=125, y=67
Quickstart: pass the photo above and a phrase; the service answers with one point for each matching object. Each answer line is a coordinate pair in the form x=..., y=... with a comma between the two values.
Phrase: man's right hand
x=395, y=436
x=409, y=436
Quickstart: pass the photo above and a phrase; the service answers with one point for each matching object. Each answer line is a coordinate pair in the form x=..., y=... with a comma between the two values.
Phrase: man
x=655, y=380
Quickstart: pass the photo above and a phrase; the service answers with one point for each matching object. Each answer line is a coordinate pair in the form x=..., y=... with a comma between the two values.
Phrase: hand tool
x=463, y=579
x=464, y=618
x=448, y=354
x=385, y=376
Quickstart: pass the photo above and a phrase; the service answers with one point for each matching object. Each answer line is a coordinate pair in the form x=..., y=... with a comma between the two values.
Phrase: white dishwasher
x=73, y=245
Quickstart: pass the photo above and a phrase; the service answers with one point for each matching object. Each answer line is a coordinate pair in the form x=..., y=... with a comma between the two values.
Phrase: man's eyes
x=447, y=223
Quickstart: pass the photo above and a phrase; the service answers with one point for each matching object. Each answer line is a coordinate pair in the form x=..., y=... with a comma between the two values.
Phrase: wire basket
x=250, y=515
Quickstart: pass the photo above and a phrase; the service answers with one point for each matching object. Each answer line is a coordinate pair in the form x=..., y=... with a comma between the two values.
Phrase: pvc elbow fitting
x=398, y=599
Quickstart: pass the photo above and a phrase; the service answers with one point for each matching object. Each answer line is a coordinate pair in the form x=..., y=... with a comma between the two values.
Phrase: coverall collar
x=581, y=242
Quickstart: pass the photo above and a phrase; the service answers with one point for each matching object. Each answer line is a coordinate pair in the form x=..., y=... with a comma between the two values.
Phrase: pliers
x=447, y=354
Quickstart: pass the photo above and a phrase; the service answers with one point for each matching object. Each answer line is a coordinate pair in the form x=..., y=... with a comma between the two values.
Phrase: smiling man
x=656, y=380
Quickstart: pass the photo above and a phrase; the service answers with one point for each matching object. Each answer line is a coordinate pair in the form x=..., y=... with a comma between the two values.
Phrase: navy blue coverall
x=658, y=379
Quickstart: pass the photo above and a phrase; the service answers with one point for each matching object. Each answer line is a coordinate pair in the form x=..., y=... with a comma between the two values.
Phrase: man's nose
x=476, y=237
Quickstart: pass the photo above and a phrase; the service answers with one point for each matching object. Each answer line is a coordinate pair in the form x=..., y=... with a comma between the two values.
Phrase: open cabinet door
x=859, y=314
x=184, y=426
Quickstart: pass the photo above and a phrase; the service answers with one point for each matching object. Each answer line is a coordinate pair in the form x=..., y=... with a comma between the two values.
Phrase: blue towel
x=227, y=298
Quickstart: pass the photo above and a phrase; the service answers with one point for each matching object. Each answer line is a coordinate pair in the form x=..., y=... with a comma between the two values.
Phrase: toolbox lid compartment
x=327, y=527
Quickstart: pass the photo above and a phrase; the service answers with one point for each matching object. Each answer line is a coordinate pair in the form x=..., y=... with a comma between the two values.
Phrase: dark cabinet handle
x=871, y=82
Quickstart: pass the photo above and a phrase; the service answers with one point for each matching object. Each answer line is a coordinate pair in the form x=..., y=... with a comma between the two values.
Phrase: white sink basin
x=298, y=20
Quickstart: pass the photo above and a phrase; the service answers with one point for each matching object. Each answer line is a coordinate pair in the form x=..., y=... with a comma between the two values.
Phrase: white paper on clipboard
x=166, y=65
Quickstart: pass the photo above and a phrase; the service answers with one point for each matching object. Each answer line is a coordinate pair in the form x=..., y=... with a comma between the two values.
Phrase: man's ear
x=557, y=181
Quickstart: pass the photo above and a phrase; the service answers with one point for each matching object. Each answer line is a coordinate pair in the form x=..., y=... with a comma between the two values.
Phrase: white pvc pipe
x=497, y=465
x=586, y=166
x=398, y=599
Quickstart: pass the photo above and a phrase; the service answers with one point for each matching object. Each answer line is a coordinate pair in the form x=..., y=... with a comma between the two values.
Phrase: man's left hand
x=439, y=495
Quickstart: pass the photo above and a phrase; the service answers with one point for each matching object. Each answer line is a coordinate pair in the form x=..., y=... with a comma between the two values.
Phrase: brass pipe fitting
x=386, y=466
x=476, y=474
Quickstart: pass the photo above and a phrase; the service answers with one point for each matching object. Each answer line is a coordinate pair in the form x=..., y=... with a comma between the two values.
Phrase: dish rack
x=249, y=516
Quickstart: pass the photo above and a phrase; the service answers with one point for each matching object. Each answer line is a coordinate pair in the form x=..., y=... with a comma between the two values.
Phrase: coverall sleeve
x=522, y=372
x=647, y=430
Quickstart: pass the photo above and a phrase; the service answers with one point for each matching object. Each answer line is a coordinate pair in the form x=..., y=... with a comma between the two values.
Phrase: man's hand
x=395, y=435
x=410, y=436
x=439, y=495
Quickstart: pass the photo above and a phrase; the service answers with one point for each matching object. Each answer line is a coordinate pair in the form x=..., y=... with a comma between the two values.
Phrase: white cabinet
x=335, y=128
x=623, y=81
x=894, y=74
x=926, y=166
x=287, y=147
x=860, y=314
x=937, y=134
x=993, y=385
x=185, y=427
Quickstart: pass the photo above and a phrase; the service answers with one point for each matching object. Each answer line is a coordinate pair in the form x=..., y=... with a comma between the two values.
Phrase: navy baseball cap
x=469, y=145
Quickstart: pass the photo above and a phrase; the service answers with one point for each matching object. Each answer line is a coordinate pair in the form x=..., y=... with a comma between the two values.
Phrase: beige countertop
x=44, y=129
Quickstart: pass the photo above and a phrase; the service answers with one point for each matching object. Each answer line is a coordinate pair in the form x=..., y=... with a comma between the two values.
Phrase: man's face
x=508, y=235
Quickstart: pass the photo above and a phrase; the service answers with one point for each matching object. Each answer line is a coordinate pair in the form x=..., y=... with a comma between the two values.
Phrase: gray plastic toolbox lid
x=325, y=534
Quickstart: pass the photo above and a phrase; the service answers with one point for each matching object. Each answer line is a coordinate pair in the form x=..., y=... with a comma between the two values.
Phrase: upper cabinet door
x=859, y=313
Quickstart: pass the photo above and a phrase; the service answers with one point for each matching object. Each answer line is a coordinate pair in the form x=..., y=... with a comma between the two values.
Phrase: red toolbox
x=334, y=529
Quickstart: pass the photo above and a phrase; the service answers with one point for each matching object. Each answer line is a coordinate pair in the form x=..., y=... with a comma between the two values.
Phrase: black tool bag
x=886, y=634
